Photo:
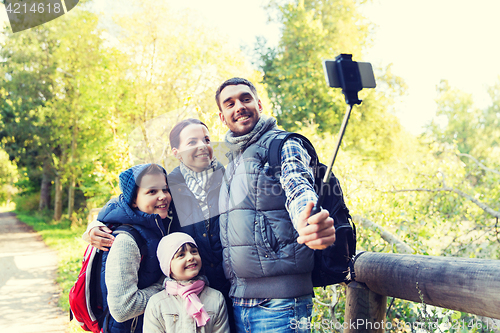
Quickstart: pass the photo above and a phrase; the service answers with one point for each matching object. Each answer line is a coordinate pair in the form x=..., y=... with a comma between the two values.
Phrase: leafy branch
x=464, y=246
x=401, y=246
x=481, y=165
x=445, y=188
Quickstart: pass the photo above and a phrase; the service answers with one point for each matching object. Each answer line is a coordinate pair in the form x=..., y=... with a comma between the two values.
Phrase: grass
x=66, y=240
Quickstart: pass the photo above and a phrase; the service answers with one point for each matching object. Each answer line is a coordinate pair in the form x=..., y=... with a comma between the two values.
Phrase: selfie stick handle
x=326, y=179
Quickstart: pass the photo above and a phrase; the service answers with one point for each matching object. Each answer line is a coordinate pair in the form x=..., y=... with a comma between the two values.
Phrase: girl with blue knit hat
x=186, y=304
x=133, y=273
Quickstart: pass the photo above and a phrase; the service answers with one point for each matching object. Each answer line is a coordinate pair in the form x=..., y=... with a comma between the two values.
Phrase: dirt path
x=28, y=292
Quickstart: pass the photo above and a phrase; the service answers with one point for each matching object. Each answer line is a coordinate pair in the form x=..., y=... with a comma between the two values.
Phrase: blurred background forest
x=82, y=99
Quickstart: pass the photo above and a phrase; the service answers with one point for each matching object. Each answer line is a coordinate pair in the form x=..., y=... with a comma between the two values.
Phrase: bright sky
x=425, y=40
x=430, y=40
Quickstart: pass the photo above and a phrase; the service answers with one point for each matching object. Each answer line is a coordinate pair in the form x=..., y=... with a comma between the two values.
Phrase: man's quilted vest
x=261, y=255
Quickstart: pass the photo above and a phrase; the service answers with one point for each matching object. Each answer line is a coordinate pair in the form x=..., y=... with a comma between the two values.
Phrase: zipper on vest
x=169, y=225
x=158, y=225
x=133, y=326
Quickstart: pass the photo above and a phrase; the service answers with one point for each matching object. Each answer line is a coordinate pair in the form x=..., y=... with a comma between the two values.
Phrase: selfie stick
x=326, y=179
x=349, y=79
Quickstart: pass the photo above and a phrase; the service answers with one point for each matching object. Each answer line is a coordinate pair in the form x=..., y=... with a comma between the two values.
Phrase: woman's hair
x=175, y=133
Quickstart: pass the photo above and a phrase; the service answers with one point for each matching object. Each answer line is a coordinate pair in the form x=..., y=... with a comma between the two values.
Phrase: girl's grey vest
x=261, y=255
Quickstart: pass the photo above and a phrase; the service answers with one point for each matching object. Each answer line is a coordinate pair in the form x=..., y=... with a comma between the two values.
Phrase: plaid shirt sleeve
x=297, y=178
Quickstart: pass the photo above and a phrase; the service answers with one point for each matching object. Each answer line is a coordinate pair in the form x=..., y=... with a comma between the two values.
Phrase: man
x=267, y=234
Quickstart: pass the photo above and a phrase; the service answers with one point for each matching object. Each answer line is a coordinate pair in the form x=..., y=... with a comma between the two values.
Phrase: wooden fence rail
x=468, y=285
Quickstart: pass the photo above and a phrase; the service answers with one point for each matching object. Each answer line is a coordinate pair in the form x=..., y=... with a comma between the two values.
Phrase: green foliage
x=293, y=74
x=25, y=88
x=80, y=102
x=176, y=63
x=72, y=93
x=8, y=178
x=462, y=119
x=404, y=196
x=27, y=203
x=88, y=87
x=312, y=31
x=329, y=308
x=24, y=185
x=464, y=126
x=53, y=108
x=468, y=134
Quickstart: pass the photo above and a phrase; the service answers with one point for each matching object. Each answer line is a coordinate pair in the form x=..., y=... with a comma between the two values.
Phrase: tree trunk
x=58, y=198
x=45, y=187
x=71, y=196
x=71, y=189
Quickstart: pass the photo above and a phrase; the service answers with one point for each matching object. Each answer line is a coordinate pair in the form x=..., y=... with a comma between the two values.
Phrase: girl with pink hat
x=187, y=303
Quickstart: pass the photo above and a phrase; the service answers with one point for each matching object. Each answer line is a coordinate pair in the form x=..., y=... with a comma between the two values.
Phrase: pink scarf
x=190, y=293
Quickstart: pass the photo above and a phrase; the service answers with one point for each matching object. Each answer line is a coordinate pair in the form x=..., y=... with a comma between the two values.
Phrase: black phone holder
x=349, y=78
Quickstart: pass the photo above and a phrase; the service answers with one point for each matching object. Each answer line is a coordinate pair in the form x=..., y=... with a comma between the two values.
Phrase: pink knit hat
x=168, y=246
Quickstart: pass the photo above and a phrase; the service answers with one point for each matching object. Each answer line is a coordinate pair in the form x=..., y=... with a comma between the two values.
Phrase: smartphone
x=364, y=73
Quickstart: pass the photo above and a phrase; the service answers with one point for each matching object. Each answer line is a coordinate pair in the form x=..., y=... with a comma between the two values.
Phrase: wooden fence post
x=364, y=310
x=461, y=284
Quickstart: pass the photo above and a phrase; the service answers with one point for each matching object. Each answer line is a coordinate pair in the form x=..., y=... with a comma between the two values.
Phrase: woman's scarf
x=198, y=183
x=190, y=293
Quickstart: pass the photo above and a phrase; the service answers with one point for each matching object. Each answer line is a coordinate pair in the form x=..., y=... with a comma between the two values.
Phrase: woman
x=195, y=186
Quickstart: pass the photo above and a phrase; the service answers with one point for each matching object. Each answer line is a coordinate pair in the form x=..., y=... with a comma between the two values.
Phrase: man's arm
x=297, y=180
x=98, y=235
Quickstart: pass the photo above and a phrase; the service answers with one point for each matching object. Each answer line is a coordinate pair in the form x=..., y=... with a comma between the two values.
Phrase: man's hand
x=101, y=238
x=317, y=231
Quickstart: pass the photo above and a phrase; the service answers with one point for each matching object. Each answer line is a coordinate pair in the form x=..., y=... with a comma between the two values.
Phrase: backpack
x=85, y=297
x=333, y=264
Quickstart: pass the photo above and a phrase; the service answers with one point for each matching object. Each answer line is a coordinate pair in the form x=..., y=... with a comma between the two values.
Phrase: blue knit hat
x=128, y=181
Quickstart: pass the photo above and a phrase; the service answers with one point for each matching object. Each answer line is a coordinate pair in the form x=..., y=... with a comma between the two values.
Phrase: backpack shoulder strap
x=274, y=152
x=130, y=230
